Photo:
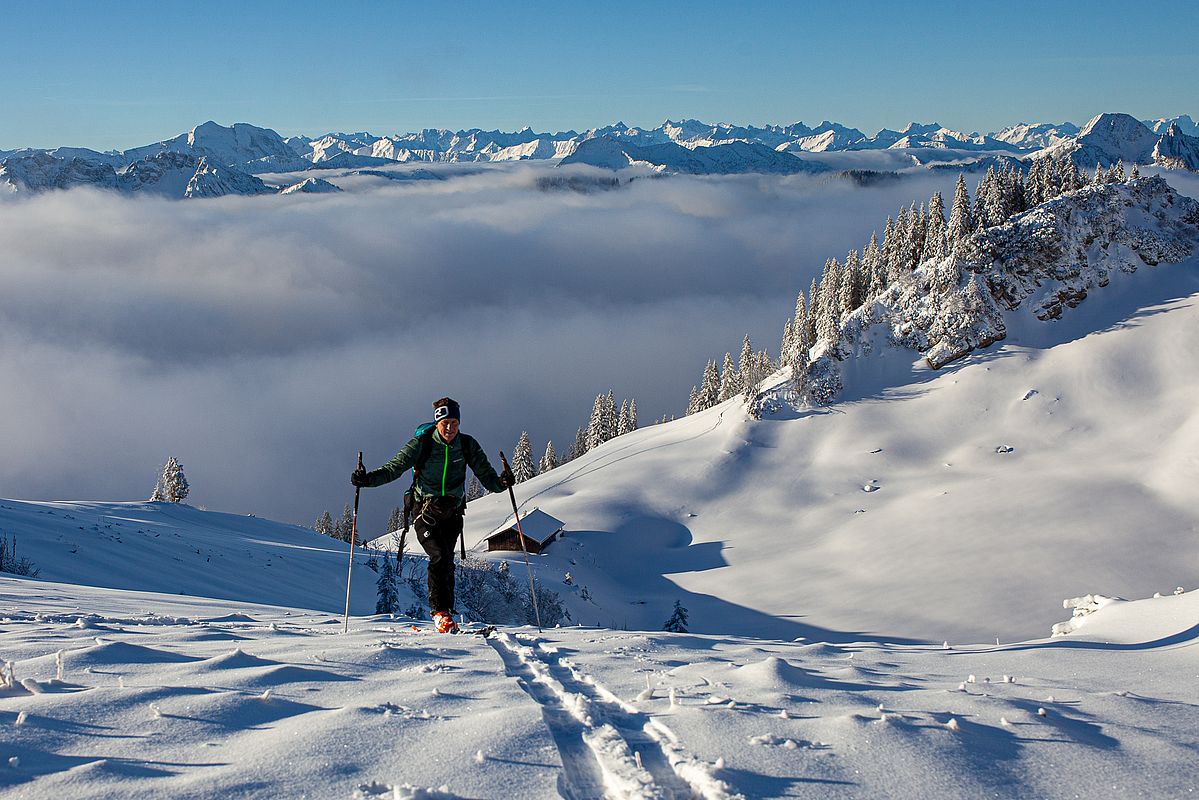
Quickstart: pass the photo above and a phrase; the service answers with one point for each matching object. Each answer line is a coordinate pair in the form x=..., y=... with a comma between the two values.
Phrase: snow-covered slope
x=119, y=694
x=177, y=549
x=1037, y=135
x=926, y=504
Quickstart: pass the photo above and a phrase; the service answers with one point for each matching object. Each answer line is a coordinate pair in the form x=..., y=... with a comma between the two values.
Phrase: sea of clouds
x=264, y=341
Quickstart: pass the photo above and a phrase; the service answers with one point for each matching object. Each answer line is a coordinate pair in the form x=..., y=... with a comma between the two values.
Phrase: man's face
x=448, y=428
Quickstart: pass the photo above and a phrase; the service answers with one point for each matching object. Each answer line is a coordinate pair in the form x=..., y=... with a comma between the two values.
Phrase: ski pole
x=353, y=538
x=520, y=534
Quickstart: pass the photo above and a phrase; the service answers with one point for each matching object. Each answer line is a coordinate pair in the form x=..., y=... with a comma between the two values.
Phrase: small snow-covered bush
x=10, y=563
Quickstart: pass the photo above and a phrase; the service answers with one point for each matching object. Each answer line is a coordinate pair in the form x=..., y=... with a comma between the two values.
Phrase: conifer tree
x=523, y=467
x=678, y=620
x=745, y=365
x=830, y=291
x=801, y=331
x=1068, y=176
x=693, y=403
x=1035, y=188
x=1098, y=179
x=961, y=223
x=625, y=421
x=934, y=237
x=787, y=343
x=579, y=447
x=343, y=529
x=1134, y=173
x=876, y=280
x=850, y=293
x=549, y=460
x=916, y=226
x=172, y=486
x=597, y=426
x=387, y=599
x=810, y=329
x=730, y=379
x=709, y=390
x=1118, y=172
x=395, y=520
x=324, y=524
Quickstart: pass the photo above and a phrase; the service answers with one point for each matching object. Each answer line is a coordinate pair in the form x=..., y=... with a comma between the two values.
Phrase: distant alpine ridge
x=212, y=160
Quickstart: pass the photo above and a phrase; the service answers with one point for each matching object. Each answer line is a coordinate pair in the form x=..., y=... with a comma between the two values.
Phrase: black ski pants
x=439, y=542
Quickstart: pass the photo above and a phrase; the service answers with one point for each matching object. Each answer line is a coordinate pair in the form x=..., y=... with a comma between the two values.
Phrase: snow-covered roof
x=536, y=525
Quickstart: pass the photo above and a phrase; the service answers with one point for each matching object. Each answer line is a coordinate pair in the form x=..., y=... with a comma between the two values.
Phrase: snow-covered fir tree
x=872, y=272
x=627, y=421
x=801, y=331
x=523, y=467
x=579, y=447
x=961, y=220
x=709, y=388
x=602, y=426
x=678, y=620
x=474, y=489
x=387, y=599
x=746, y=365
x=172, y=486
x=549, y=460
x=343, y=529
x=395, y=520
x=1135, y=172
x=730, y=379
x=850, y=294
x=934, y=237
x=324, y=523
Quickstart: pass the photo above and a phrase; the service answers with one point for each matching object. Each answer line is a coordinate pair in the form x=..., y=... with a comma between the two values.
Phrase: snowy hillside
x=877, y=516
x=176, y=549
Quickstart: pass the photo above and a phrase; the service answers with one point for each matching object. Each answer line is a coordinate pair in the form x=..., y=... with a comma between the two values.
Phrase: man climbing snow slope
x=438, y=455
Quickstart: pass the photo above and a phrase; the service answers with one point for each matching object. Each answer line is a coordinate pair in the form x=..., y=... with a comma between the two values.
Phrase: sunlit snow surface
x=179, y=697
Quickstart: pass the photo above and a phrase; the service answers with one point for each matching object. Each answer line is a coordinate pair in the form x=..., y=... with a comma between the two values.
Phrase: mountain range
x=213, y=160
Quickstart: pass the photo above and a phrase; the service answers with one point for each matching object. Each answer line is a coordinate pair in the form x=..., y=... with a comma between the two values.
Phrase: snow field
x=206, y=700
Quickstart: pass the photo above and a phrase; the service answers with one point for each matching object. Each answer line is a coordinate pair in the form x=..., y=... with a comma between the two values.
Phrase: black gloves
x=507, y=479
x=358, y=477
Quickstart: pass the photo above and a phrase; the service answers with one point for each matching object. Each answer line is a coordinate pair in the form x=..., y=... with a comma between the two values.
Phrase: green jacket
x=444, y=472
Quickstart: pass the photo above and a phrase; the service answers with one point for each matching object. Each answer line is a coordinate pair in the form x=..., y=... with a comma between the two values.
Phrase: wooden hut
x=539, y=528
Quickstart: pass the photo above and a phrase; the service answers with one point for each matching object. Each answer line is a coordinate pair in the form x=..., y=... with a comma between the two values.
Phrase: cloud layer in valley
x=264, y=341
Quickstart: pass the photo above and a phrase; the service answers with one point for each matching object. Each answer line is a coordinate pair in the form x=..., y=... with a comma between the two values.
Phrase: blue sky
x=119, y=74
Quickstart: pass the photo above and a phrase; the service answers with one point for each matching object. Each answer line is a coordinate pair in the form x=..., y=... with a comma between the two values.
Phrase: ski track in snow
x=608, y=748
